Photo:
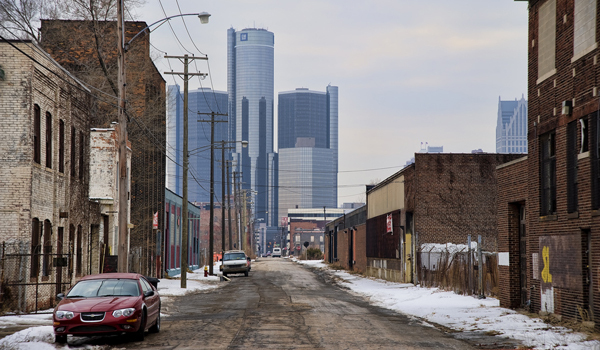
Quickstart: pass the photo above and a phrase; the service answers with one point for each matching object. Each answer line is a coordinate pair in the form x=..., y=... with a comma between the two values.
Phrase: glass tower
x=203, y=100
x=308, y=149
x=250, y=54
x=511, y=128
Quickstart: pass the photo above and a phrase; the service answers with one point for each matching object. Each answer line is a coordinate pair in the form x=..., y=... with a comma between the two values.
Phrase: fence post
x=469, y=265
x=480, y=268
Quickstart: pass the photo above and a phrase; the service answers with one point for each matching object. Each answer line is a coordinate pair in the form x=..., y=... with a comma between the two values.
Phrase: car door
x=152, y=302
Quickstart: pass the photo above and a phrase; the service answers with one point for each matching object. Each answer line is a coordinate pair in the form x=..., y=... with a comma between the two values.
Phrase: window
x=572, y=151
x=585, y=145
x=61, y=146
x=37, y=157
x=547, y=40
x=584, y=36
x=548, y=174
x=81, y=150
x=79, y=251
x=35, y=248
x=48, y=140
x=47, y=236
x=312, y=238
x=595, y=158
x=73, y=173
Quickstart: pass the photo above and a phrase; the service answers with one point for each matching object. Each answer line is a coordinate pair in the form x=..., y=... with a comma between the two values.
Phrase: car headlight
x=64, y=314
x=123, y=312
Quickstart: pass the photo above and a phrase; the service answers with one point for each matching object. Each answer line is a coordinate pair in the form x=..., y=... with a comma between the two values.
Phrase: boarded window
x=547, y=39
x=548, y=174
x=584, y=36
x=37, y=157
x=48, y=140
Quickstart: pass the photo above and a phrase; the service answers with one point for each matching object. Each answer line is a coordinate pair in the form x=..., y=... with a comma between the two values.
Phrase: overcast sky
x=407, y=71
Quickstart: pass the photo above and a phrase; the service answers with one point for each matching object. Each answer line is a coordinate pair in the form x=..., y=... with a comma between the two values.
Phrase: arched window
x=35, y=247
x=79, y=250
x=37, y=130
x=48, y=140
x=47, y=243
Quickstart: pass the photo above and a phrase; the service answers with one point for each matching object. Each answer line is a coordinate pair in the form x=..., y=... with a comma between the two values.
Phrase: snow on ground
x=40, y=336
x=461, y=313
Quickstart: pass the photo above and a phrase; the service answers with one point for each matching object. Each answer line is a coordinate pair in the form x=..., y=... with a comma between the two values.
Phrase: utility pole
x=184, y=206
x=211, y=221
x=122, y=250
x=223, y=196
x=229, y=206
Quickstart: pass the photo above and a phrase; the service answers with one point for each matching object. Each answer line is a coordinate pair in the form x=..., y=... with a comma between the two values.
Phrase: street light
x=122, y=47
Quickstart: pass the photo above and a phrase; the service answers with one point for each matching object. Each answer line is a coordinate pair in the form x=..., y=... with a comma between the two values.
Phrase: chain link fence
x=458, y=269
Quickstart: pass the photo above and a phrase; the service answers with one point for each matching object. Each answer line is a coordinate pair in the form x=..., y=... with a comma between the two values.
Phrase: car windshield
x=234, y=256
x=104, y=288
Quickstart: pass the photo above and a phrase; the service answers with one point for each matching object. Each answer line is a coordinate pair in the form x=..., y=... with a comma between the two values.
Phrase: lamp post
x=122, y=48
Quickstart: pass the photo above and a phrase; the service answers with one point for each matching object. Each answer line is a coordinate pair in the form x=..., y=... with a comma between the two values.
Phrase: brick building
x=73, y=44
x=555, y=269
x=439, y=199
x=302, y=231
x=45, y=210
x=345, y=241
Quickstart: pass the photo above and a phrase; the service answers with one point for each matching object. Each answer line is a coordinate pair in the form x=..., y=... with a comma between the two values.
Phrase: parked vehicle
x=106, y=304
x=277, y=252
x=235, y=261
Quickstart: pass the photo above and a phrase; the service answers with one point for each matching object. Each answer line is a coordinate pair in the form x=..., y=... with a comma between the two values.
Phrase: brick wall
x=41, y=191
x=72, y=44
x=512, y=193
x=578, y=232
x=456, y=195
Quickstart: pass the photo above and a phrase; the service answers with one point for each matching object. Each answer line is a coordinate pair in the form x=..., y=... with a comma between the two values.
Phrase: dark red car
x=108, y=303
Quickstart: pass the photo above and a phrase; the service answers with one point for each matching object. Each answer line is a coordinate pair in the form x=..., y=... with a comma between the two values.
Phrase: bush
x=314, y=254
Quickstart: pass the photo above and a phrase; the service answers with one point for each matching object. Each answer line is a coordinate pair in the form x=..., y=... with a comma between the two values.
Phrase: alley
x=283, y=305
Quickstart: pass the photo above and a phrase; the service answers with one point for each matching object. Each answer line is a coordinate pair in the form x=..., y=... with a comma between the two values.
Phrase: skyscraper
x=250, y=54
x=203, y=100
x=308, y=149
x=511, y=128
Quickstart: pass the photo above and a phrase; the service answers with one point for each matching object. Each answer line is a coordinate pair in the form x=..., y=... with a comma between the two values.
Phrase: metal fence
x=29, y=282
x=463, y=271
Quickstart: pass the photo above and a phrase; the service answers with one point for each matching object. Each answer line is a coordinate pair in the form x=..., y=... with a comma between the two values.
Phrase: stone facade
x=72, y=44
x=44, y=205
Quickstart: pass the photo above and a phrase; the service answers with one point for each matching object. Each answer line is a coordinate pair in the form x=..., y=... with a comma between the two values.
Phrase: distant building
x=308, y=148
x=352, y=205
x=250, y=80
x=425, y=148
x=203, y=100
x=511, y=128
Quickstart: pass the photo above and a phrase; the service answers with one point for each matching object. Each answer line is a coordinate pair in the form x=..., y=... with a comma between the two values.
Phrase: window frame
x=548, y=173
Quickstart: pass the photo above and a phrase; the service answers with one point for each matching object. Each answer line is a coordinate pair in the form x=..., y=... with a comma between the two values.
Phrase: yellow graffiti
x=546, y=276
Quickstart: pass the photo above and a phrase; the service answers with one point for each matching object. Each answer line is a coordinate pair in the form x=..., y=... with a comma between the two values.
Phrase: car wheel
x=60, y=339
x=246, y=273
x=139, y=335
x=156, y=327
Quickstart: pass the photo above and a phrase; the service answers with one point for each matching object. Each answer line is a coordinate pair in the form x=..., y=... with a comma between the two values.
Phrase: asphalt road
x=283, y=305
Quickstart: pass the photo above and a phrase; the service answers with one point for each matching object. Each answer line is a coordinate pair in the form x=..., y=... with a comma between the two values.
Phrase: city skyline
x=407, y=71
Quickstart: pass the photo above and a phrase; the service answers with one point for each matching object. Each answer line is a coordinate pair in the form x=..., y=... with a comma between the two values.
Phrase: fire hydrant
x=205, y=271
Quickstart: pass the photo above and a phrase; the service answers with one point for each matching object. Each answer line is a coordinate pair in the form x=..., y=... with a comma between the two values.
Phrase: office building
x=308, y=149
x=200, y=102
x=511, y=128
x=250, y=55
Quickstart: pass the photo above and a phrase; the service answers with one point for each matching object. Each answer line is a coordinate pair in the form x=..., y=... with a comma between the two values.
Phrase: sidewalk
x=460, y=313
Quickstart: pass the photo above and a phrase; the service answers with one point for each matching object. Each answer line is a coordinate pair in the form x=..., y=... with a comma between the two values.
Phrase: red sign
x=390, y=227
x=284, y=221
x=155, y=221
